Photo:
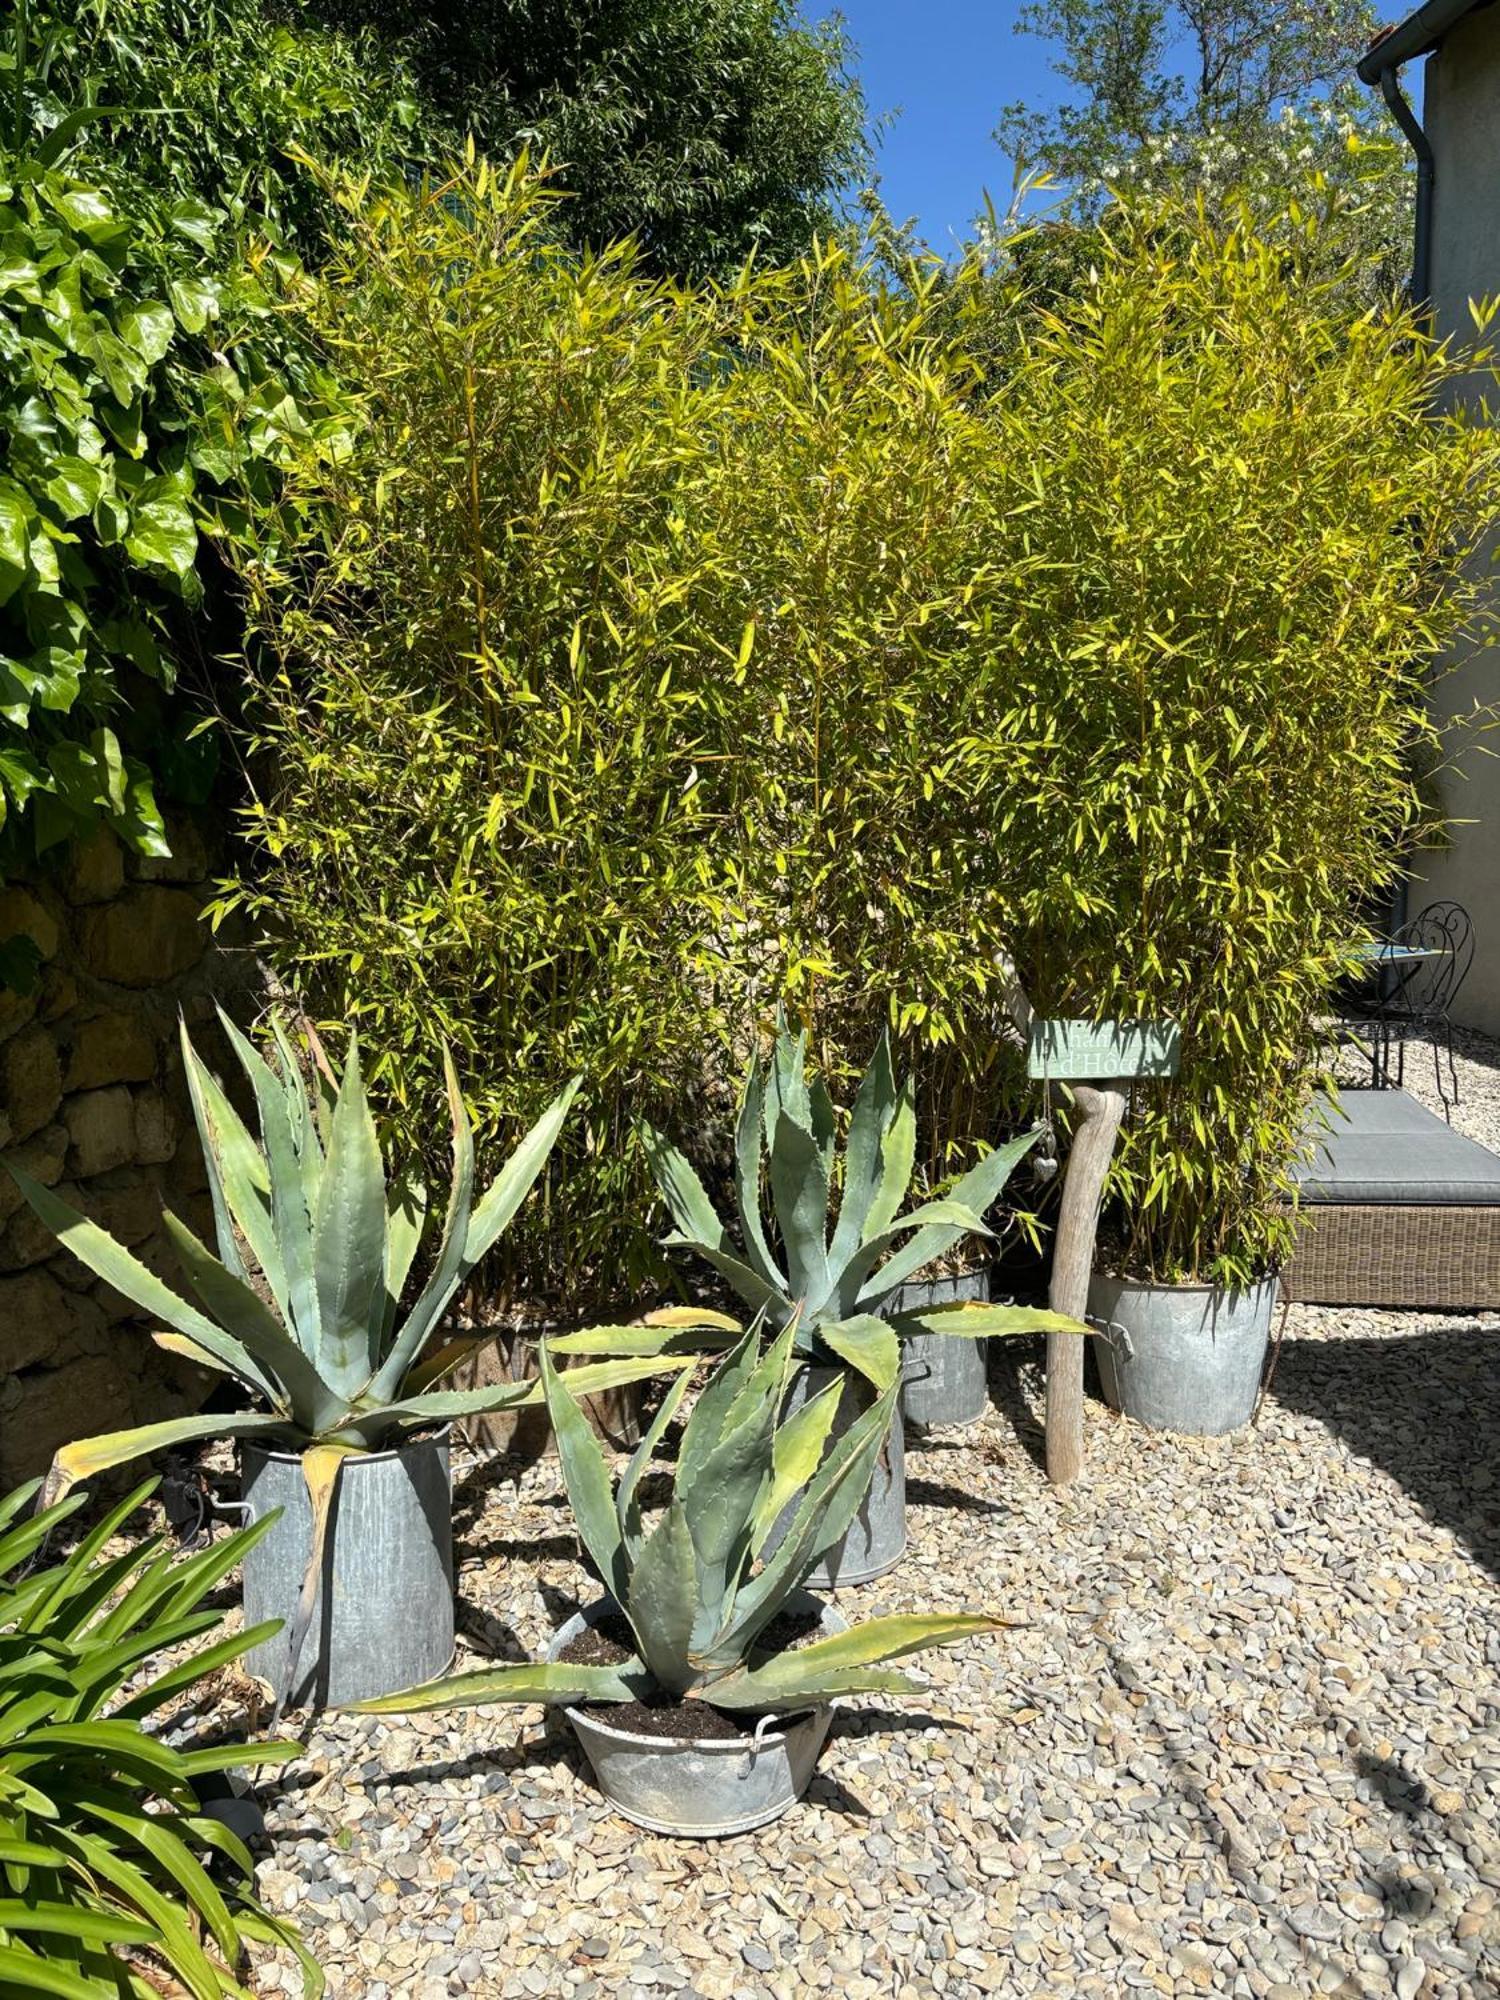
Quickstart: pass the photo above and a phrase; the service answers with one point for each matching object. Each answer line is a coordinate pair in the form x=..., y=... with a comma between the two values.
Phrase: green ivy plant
x=112, y=1875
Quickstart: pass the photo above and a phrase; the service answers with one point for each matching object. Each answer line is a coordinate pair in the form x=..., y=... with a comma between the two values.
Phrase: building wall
x=1461, y=112
x=93, y=1103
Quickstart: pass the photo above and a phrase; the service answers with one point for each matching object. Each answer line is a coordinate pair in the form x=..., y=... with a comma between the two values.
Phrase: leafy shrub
x=1248, y=531
x=618, y=687
x=147, y=146
x=106, y=1853
x=706, y=129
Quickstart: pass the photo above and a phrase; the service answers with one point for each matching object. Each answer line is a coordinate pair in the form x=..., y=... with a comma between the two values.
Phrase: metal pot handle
x=757, y=1741
x=1113, y=1334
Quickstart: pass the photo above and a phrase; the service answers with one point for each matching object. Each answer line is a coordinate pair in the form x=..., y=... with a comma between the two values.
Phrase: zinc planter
x=944, y=1380
x=1182, y=1357
x=876, y=1538
x=700, y=1790
x=383, y=1618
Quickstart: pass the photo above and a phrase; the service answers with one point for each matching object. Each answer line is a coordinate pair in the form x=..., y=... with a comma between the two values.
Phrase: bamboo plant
x=701, y=1584
x=830, y=1277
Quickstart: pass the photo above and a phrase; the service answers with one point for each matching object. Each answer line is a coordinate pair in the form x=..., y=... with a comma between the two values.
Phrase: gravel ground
x=1249, y=1745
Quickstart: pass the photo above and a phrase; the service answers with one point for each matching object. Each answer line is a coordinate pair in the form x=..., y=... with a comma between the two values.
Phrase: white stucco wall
x=1461, y=111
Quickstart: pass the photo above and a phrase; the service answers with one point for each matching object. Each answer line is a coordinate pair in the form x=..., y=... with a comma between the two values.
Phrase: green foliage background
x=146, y=183
x=659, y=654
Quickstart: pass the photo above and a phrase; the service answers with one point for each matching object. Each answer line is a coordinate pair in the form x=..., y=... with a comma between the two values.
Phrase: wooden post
x=1100, y=1108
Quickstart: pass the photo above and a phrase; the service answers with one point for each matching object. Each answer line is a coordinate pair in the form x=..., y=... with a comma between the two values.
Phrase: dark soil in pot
x=611, y=1642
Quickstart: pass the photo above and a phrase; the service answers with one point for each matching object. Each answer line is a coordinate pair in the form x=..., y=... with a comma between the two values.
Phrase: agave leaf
x=296, y=1384
x=799, y=1190
x=321, y=1466
x=88, y=1457
x=756, y=1293
x=434, y=1366
x=178, y=1343
x=641, y=1340
x=867, y=1344
x=98, y=1250
x=719, y=1492
x=300, y=1117
x=874, y=1106
x=798, y=1450
x=692, y=1316
x=229, y=1249
x=245, y=1175
x=662, y=1604
x=448, y=1268
x=586, y=1477
x=745, y=1690
x=297, y=1293
x=627, y=1507
x=786, y=1084
x=550, y=1681
x=441, y=1406
x=829, y=1503
x=747, y=1141
x=705, y=1424
x=898, y=1152
x=975, y=1321
x=349, y=1241
x=405, y=1220
x=976, y=1190
x=517, y=1177
x=947, y=1214
x=682, y=1191
x=878, y=1640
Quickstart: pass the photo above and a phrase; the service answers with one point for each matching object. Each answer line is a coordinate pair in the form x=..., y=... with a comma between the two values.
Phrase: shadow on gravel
x=1425, y=1409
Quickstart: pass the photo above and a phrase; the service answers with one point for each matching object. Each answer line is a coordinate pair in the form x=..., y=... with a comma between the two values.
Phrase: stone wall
x=93, y=1103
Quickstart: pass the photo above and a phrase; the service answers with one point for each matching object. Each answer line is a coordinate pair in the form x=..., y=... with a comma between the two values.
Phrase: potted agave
x=833, y=1262
x=344, y=1428
x=696, y=1714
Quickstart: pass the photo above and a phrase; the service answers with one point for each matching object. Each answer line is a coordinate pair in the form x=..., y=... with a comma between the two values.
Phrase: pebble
x=1248, y=1744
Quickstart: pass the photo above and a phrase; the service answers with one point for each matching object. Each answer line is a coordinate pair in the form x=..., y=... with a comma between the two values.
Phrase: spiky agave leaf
x=833, y=1280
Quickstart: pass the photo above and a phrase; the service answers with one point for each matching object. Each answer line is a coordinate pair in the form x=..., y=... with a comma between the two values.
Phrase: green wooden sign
x=1072, y=1051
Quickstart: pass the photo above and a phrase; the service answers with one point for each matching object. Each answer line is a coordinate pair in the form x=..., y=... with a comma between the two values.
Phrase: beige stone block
x=112, y=1048
x=145, y=938
x=101, y=1130
x=30, y=1081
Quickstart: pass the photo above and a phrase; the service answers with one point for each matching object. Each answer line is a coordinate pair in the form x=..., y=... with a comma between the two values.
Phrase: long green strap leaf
x=586, y=1477
x=551, y=1682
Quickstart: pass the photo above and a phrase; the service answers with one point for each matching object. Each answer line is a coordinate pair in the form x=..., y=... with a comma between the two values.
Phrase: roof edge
x=1418, y=35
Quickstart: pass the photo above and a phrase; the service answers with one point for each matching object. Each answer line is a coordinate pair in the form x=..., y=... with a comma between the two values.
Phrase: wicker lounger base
x=1438, y=1257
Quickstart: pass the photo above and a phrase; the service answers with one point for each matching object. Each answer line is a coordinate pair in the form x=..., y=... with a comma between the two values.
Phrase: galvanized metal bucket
x=671, y=1784
x=1181, y=1357
x=383, y=1618
x=876, y=1539
x=946, y=1379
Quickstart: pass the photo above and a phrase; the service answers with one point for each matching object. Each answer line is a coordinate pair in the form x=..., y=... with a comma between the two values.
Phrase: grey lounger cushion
x=1392, y=1149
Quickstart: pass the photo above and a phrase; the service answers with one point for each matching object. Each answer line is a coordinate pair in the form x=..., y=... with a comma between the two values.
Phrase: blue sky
x=949, y=67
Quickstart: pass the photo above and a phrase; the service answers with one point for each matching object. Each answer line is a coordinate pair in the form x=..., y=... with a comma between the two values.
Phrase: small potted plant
x=303, y=1308
x=832, y=1263
x=697, y=1708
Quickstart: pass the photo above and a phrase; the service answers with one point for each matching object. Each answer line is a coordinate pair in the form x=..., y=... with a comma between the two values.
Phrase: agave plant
x=837, y=1274
x=702, y=1584
x=112, y=1876
x=306, y=1216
